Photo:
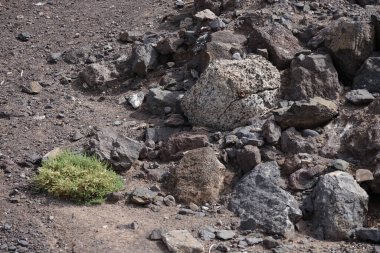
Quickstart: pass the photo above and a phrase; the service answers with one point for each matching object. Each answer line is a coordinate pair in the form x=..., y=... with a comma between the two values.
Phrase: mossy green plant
x=80, y=178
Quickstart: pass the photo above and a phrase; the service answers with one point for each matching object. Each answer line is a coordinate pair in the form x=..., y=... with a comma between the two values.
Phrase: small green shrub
x=80, y=178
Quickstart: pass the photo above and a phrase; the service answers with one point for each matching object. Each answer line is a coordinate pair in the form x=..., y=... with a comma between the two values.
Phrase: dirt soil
x=32, y=125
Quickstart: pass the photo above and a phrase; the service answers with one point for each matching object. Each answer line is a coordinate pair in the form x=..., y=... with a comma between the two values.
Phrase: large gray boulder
x=350, y=43
x=262, y=204
x=309, y=113
x=368, y=75
x=231, y=92
x=281, y=44
x=313, y=76
x=115, y=149
x=340, y=206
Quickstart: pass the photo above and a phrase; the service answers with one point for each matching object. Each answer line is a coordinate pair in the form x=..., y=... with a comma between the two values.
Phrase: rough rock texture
x=262, y=204
x=282, y=46
x=97, y=76
x=340, y=205
x=313, y=76
x=213, y=5
x=368, y=75
x=305, y=178
x=271, y=131
x=292, y=142
x=179, y=143
x=157, y=134
x=350, y=44
x=114, y=148
x=181, y=241
x=199, y=177
x=306, y=114
x=144, y=58
x=359, y=97
x=224, y=43
x=230, y=92
x=362, y=139
x=157, y=99
x=248, y=157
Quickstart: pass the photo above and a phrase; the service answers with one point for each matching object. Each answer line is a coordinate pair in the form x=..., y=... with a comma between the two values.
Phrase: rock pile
x=287, y=104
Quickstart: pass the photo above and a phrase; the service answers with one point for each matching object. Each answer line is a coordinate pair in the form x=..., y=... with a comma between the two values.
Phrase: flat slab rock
x=309, y=113
x=181, y=241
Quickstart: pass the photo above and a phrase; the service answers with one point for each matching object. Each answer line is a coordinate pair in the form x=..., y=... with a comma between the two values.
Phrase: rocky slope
x=238, y=126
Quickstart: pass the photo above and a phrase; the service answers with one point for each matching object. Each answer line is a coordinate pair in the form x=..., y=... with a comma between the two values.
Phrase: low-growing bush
x=80, y=178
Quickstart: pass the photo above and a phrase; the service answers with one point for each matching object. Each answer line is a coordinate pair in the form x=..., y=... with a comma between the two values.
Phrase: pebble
x=23, y=243
x=363, y=175
x=179, y=4
x=270, y=242
x=309, y=133
x=54, y=57
x=156, y=235
x=24, y=36
x=117, y=123
x=32, y=88
x=169, y=200
x=136, y=100
x=206, y=235
x=225, y=234
x=253, y=240
x=236, y=56
x=340, y=164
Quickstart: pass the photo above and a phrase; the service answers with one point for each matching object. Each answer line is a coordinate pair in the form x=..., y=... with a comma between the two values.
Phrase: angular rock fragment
x=350, y=43
x=114, y=148
x=282, y=46
x=335, y=220
x=368, y=75
x=313, y=76
x=179, y=143
x=262, y=204
x=309, y=113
